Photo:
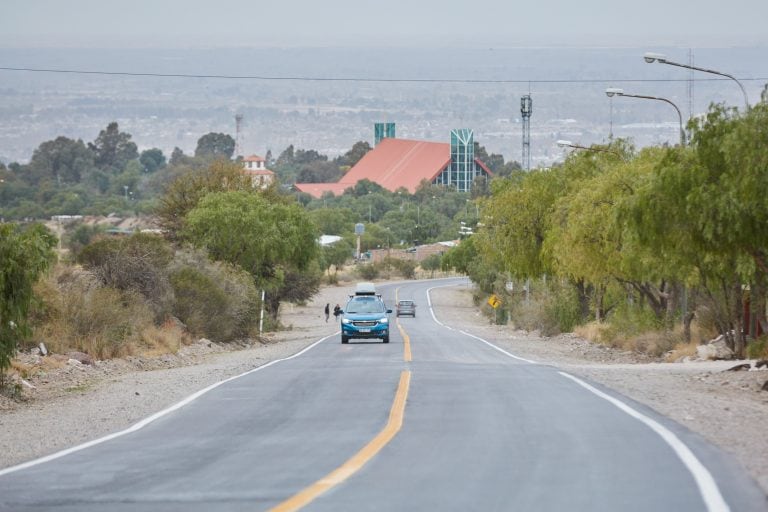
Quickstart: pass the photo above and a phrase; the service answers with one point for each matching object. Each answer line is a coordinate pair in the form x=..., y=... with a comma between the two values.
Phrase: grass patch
x=758, y=349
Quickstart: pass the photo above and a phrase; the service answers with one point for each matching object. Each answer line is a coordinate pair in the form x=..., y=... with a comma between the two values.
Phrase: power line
x=370, y=79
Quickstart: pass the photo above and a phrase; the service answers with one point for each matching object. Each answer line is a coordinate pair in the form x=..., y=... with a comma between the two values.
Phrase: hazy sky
x=212, y=23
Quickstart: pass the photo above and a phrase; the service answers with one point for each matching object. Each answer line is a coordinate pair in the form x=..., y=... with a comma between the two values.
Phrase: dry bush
x=682, y=350
x=78, y=314
x=133, y=264
x=653, y=343
x=592, y=331
x=165, y=339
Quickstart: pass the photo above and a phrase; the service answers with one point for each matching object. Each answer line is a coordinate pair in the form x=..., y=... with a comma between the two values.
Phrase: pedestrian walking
x=336, y=311
x=327, y=312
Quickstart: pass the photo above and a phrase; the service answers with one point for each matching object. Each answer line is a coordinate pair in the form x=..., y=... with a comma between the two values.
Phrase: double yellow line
x=369, y=451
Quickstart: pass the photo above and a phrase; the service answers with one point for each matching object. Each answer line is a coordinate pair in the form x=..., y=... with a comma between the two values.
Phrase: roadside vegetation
x=645, y=250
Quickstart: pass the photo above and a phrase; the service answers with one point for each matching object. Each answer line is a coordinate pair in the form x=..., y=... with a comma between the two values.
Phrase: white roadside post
x=261, y=319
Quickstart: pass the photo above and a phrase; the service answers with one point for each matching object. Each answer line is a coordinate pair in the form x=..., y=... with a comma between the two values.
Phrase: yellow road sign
x=494, y=301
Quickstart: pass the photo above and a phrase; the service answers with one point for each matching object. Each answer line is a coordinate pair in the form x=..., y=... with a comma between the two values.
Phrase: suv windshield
x=364, y=305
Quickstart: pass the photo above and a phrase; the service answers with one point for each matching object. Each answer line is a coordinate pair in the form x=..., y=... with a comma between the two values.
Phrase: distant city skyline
x=196, y=23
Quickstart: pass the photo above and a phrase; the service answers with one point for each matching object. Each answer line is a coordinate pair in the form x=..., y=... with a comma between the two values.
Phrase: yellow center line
x=354, y=464
x=407, y=344
x=407, y=357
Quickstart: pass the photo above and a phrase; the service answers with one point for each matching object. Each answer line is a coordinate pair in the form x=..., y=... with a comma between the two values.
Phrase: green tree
x=63, y=161
x=335, y=255
x=186, y=191
x=267, y=239
x=354, y=155
x=215, y=145
x=113, y=149
x=25, y=254
x=152, y=160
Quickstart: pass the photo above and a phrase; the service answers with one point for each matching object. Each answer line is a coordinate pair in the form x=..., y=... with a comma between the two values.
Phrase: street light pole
x=612, y=91
x=569, y=144
x=662, y=59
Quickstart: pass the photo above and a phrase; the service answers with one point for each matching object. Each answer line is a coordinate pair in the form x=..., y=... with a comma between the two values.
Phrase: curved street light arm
x=665, y=100
x=711, y=71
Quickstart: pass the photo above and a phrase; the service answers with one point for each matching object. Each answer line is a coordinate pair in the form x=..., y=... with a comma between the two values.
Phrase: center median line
x=360, y=459
x=407, y=357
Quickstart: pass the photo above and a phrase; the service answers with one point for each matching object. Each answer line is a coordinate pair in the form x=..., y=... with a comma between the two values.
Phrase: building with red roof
x=401, y=163
x=255, y=167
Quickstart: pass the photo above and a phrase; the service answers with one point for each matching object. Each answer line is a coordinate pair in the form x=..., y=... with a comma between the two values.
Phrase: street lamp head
x=651, y=57
x=564, y=143
x=614, y=91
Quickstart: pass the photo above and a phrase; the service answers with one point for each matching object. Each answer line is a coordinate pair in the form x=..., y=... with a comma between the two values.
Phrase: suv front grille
x=365, y=323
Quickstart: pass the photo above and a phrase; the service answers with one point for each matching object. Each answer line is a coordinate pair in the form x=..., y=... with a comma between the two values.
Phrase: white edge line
x=708, y=489
x=499, y=348
x=432, y=311
x=146, y=421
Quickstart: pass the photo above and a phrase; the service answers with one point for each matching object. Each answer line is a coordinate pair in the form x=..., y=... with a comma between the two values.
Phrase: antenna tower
x=238, y=128
x=526, y=109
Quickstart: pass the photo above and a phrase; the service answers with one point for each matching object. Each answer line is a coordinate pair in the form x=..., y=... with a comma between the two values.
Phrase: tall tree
x=63, y=161
x=215, y=145
x=113, y=149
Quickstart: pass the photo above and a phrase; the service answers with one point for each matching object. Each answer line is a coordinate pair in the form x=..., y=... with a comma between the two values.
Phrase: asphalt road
x=435, y=420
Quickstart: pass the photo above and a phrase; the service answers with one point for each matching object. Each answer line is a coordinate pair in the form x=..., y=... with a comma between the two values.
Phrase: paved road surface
x=435, y=420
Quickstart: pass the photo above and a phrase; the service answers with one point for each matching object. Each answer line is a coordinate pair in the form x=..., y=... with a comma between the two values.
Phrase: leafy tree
x=63, y=160
x=178, y=157
x=432, y=263
x=318, y=171
x=215, y=145
x=461, y=258
x=187, y=190
x=336, y=255
x=113, y=149
x=333, y=221
x=152, y=160
x=354, y=155
x=267, y=239
x=24, y=255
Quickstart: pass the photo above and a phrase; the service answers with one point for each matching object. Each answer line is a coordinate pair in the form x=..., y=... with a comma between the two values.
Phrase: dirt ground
x=69, y=403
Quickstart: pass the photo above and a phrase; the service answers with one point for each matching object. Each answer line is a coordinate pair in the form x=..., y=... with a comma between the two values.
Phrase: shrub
x=133, y=264
x=368, y=271
x=552, y=308
x=80, y=314
x=214, y=299
x=758, y=349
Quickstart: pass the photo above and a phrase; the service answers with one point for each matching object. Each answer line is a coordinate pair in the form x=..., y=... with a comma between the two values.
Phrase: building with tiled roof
x=402, y=163
x=255, y=167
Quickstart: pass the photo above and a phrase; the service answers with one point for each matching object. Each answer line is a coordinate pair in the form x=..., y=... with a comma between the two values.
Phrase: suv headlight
x=384, y=320
x=346, y=321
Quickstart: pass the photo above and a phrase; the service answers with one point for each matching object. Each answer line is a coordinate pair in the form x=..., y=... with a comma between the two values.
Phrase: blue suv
x=365, y=316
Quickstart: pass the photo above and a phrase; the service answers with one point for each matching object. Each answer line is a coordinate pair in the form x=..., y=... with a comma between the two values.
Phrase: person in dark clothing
x=327, y=311
x=336, y=311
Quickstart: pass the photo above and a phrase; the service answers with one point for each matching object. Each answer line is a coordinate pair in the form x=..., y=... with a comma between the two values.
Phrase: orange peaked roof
x=393, y=164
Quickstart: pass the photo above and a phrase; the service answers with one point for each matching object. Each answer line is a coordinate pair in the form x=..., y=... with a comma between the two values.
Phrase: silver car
x=406, y=307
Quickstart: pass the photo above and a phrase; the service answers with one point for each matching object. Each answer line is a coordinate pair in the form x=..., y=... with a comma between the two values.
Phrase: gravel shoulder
x=76, y=403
